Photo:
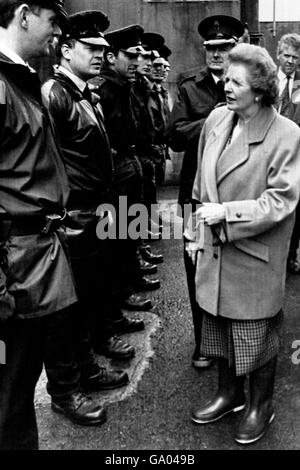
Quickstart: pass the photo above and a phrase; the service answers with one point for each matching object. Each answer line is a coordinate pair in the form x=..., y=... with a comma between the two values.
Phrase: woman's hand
x=211, y=213
x=191, y=248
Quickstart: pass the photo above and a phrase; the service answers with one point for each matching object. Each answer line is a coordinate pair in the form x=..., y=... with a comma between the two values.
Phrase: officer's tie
x=285, y=99
x=220, y=86
x=94, y=100
x=87, y=94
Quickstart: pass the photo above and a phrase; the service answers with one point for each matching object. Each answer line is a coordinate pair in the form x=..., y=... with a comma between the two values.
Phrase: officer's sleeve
x=57, y=101
x=7, y=304
x=182, y=130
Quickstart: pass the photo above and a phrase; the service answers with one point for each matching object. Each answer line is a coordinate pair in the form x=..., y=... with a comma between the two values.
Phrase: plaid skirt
x=246, y=344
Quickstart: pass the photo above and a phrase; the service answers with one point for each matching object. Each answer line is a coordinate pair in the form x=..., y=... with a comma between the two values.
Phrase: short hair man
x=87, y=156
x=198, y=94
x=36, y=279
x=288, y=56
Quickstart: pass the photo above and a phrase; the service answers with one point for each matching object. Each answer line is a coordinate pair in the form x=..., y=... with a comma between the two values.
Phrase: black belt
x=19, y=226
x=121, y=154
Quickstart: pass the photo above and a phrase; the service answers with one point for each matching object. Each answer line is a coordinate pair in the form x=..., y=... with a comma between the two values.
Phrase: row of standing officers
x=62, y=156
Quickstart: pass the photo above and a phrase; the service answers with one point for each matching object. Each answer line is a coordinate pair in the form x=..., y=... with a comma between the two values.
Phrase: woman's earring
x=256, y=99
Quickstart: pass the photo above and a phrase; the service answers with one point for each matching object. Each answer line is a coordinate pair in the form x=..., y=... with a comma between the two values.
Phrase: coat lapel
x=233, y=156
x=215, y=144
x=238, y=152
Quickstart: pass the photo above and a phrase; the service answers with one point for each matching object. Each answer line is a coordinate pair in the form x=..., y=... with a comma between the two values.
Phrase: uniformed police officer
x=197, y=96
x=160, y=111
x=36, y=278
x=145, y=135
x=121, y=62
x=87, y=157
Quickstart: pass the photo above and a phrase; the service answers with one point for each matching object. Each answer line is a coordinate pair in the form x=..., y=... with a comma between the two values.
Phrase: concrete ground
x=153, y=411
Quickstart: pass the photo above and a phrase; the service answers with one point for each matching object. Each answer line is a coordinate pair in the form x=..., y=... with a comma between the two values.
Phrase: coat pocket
x=253, y=248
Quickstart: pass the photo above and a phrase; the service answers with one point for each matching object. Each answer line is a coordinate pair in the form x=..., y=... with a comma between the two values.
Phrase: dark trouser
x=294, y=244
x=69, y=353
x=97, y=304
x=25, y=345
x=122, y=267
x=123, y=264
x=159, y=160
x=149, y=183
x=197, y=314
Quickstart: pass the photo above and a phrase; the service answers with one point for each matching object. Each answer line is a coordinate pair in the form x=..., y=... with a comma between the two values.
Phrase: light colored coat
x=257, y=179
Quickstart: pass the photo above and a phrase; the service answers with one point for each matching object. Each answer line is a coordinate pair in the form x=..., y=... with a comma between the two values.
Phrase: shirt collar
x=216, y=78
x=81, y=84
x=282, y=75
x=14, y=57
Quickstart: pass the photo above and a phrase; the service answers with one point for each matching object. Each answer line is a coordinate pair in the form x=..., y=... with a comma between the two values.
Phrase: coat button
x=238, y=215
x=216, y=256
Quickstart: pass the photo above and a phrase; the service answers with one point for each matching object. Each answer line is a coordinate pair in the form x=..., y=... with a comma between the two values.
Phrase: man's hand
x=108, y=214
x=211, y=213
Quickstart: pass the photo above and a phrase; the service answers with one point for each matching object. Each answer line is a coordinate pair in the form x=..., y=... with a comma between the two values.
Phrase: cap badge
x=217, y=26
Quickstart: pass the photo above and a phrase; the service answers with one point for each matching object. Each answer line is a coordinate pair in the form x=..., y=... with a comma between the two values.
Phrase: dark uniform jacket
x=87, y=156
x=198, y=95
x=143, y=123
x=33, y=183
x=114, y=93
x=160, y=112
x=33, y=179
x=83, y=137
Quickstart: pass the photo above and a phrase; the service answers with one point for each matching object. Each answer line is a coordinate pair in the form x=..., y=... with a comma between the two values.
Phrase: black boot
x=151, y=257
x=230, y=396
x=80, y=409
x=144, y=266
x=260, y=412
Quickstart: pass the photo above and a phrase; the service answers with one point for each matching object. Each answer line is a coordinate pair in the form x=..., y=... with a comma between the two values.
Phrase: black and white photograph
x=149, y=228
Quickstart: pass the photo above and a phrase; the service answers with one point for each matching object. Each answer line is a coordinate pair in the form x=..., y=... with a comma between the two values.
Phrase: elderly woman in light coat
x=248, y=182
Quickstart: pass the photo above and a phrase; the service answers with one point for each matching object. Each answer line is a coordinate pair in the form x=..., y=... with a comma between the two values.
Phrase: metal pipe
x=274, y=18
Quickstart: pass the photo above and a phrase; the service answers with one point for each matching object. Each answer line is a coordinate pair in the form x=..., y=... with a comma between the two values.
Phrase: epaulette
x=188, y=74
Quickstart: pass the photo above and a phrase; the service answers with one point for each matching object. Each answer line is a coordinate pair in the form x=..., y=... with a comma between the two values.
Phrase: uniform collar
x=216, y=79
x=14, y=57
x=282, y=75
x=81, y=84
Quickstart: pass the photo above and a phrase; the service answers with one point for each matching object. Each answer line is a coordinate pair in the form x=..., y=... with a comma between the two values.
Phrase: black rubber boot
x=230, y=396
x=260, y=412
